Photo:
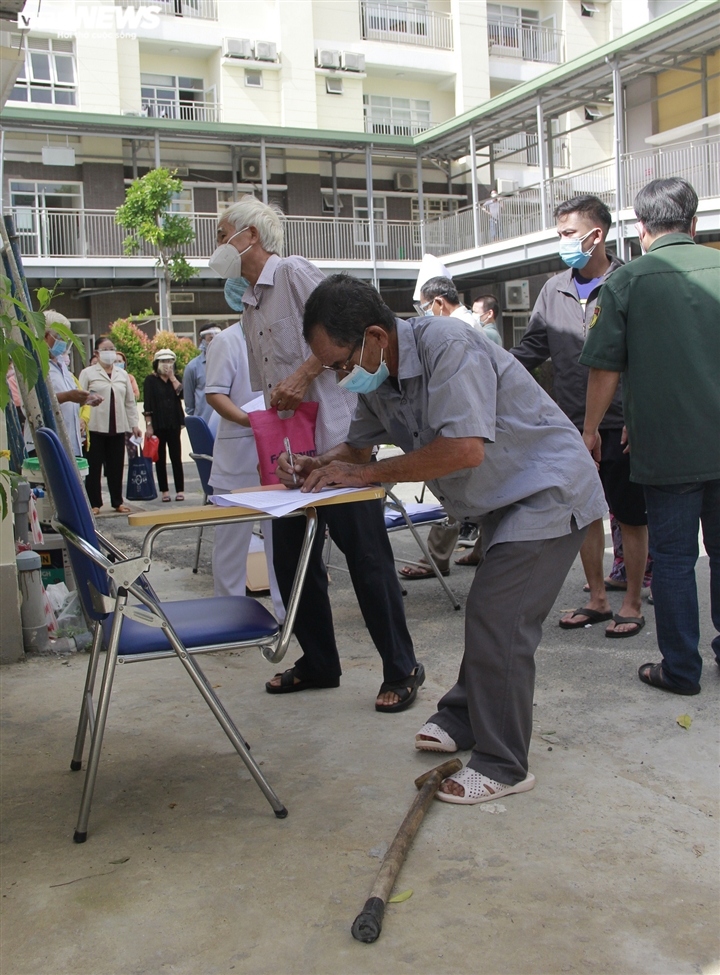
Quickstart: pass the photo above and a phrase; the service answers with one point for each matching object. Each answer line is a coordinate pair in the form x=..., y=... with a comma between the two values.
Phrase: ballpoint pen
x=291, y=459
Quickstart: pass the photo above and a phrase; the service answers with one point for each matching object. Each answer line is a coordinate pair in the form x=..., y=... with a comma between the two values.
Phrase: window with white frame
x=177, y=97
x=48, y=76
x=362, y=222
x=434, y=208
x=47, y=216
x=386, y=115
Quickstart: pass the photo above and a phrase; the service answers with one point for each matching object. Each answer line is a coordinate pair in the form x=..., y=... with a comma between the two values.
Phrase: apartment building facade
x=326, y=107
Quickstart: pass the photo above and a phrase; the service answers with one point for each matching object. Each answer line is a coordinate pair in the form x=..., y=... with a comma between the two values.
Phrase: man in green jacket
x=657, y=322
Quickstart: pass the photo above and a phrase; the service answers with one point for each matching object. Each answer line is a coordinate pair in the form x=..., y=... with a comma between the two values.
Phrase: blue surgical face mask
x=120, y=364
x=362, y=381
x=572, y=253
x=58, y=348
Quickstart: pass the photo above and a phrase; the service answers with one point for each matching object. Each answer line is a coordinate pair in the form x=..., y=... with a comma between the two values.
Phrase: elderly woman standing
x=165, y=417
x=109, y=422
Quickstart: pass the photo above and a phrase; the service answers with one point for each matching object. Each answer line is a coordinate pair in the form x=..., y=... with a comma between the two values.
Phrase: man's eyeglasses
x=345, y=367
x=423, y=307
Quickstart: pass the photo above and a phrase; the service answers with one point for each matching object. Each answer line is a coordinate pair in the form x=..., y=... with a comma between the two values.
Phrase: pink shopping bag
x=271, y=430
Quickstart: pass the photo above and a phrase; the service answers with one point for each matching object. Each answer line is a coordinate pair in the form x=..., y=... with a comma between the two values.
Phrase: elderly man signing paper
x=493, y=447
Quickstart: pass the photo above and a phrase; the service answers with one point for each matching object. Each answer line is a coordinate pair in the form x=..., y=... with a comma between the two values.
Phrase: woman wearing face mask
x=165, y=418
x=109, y=422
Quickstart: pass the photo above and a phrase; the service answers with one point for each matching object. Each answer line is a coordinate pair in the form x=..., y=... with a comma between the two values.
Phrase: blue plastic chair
x=149, y=628
x=202, y=443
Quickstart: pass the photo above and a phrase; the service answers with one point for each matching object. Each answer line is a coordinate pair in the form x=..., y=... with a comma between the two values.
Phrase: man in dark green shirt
x=657, y=322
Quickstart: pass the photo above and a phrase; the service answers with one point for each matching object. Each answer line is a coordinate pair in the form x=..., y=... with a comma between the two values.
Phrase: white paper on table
x=258, y=403
x=276, y=503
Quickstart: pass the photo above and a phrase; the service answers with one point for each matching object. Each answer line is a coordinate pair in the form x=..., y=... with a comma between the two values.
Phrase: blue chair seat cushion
x=418, y=514
x=198, y=623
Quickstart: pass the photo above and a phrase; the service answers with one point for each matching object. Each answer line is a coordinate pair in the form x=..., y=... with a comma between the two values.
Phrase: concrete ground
x=609, y=866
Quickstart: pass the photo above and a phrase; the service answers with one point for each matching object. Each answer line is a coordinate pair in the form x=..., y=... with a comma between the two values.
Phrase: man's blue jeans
x=675, y=512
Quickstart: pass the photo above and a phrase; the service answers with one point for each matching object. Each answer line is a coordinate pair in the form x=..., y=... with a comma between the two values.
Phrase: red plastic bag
x=271, y=430
x=151, y=447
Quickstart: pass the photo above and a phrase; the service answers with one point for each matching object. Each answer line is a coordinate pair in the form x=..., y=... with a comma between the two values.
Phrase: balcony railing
x=186, y=110
x=380, y=125
x=528, y=43
x=54, y=233
x=405, y=25
x=198, y=9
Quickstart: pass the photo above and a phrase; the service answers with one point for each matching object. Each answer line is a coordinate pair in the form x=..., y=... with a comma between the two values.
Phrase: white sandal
x=443, y=742
x=480, y=788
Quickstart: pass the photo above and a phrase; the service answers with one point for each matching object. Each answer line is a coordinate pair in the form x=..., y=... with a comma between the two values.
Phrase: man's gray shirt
x=557, y=330
x=194, y=388
x=537, y=473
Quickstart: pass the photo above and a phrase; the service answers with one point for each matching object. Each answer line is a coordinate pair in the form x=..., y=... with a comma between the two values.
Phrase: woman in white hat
x=165, y=418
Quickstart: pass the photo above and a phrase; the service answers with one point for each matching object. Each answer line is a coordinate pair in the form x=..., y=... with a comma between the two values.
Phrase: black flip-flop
x=592, y=617
x=287, y=683
x=639, y=622
x=406, y=689
x=656, y=678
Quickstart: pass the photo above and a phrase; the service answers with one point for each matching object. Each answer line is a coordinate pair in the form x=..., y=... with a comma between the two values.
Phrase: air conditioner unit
x=239, y=47
x=251, y=170
x=405, y=181
x=517, y=295
x=505, y=185
x=352, y=62
x=327, y=59
x=265, y=51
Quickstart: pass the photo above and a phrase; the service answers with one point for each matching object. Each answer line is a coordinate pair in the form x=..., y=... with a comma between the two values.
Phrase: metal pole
x=475, y=201
x=491, y=163
x=336, y=205
x=704, y=92
x=157, y=150
x=134, y=159
x=550, y=149
x=543, y=163
x=421, y=203
x=263, y=171
x=2, y=168
x=233, y=166
x=618, y=126
x=371, y=213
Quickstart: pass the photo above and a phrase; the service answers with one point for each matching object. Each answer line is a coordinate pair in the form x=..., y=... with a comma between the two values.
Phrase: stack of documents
x=277, y=503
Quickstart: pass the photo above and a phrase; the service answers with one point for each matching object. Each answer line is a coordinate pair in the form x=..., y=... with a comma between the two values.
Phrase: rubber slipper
x=413, y=572
x=166, y=500
x=480, y=788
x=406, y=689
x=123, y=509
x=592, y=616
x=639, y=622
x=288, y=685
x=442, y=741
x=96, y=511
x=179, y=497
x=653, y=675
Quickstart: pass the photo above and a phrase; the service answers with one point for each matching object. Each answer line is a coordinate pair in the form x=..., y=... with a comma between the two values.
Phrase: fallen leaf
x=121, y=860
x=399, y=898
x=699, y=849
x=684, y=721
x=171, y=805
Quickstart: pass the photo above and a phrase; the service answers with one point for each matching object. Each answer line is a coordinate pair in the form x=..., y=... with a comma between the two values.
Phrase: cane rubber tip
x=281, y=813
x=79, y=837
x=75, y=766
x=368, y=924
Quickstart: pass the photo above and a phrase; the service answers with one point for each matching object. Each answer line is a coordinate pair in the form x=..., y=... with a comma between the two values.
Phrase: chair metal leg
x=197, y=550
x=102, y=712
x=87, y=715
x=431, y=562
x=225, y=721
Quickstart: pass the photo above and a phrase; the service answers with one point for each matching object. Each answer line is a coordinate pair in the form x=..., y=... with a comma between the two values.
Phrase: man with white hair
x=194, y=378
x=250, y=240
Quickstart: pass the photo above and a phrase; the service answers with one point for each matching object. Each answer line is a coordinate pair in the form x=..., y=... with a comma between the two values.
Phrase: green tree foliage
x=146, y=214
x=131, y=340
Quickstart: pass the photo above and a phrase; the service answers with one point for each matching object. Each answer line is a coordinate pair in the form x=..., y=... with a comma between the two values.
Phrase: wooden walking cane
x=368, y=924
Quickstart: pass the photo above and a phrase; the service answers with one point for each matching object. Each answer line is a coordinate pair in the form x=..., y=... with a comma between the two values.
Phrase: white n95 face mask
x=226, y=260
